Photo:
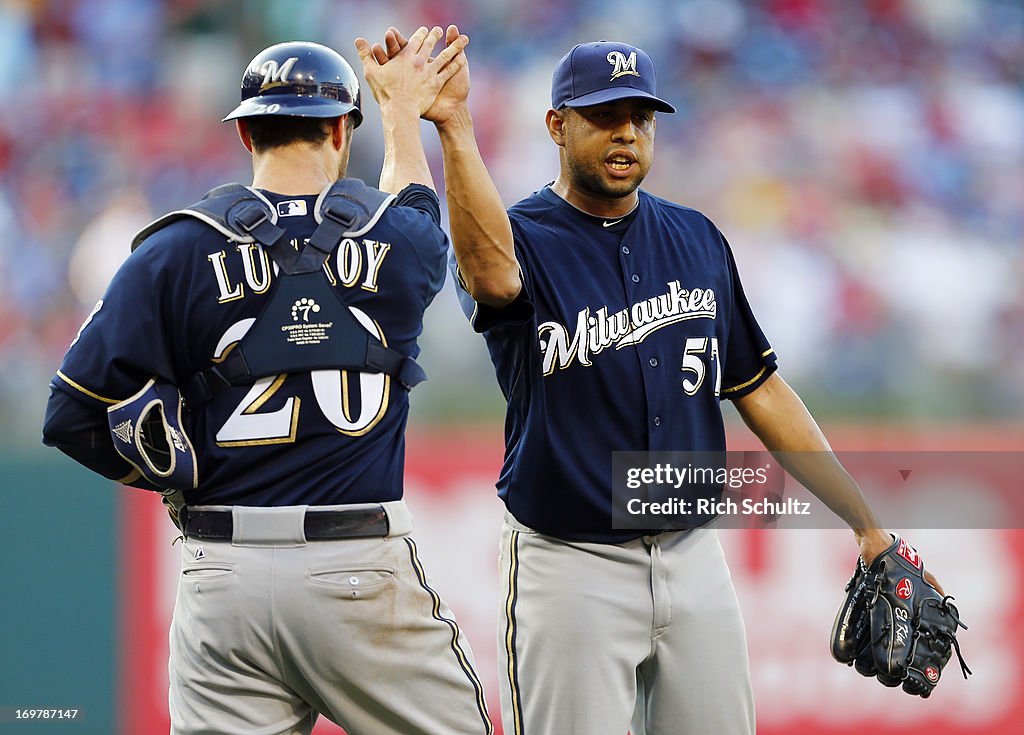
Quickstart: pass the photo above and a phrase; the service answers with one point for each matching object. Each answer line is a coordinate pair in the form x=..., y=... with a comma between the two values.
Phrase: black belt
x=319, y=525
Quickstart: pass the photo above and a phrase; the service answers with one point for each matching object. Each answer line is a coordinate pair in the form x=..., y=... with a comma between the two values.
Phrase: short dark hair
x=274, y=131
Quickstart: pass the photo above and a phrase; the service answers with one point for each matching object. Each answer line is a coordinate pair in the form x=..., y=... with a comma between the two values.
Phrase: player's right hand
x=454, y=95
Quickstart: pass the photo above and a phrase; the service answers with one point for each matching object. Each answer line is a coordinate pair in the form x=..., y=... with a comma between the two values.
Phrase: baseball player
x=287, y=315
x=615, y=321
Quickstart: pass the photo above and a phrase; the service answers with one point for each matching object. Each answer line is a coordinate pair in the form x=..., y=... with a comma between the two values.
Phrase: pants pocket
x=206, y=571
x=354, y=582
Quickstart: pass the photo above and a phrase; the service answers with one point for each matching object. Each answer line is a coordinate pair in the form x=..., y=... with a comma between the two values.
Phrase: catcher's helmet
x=300, y=79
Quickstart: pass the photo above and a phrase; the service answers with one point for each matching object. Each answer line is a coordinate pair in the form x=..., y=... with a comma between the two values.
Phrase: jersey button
x=636, y=278
x=653, y=361
x=657, y=420
x=625, y=249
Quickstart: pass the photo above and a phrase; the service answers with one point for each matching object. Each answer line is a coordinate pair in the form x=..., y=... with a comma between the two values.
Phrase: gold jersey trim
x=86, y=391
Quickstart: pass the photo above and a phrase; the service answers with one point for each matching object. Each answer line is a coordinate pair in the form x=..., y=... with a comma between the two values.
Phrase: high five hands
x=402, y=71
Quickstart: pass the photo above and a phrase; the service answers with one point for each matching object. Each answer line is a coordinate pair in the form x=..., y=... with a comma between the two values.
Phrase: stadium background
x=865, y=160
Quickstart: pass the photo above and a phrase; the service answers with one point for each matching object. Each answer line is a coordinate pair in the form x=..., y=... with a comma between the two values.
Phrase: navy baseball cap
x=603, y=71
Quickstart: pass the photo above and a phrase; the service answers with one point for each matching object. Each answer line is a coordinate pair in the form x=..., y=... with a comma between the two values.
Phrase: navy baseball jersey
x=187, y=295
x=641, y=317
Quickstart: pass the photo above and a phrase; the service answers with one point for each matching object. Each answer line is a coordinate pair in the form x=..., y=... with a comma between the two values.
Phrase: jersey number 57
x=700, y=353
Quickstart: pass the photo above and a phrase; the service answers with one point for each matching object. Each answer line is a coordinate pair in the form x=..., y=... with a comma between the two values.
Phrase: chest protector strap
x=304, y=324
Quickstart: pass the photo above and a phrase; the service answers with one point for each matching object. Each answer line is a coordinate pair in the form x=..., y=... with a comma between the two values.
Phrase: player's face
x=609, y=147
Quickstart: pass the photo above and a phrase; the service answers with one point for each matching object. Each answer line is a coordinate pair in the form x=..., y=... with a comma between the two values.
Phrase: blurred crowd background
x=865, y=160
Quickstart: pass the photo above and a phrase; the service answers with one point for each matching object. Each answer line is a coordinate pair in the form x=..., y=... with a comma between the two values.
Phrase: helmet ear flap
x=300, y=79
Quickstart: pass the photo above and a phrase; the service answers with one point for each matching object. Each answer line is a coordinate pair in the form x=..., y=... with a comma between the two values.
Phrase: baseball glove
x=895, y=626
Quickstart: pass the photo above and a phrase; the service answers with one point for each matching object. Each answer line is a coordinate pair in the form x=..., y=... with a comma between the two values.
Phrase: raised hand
x=402, y=72
x=455, y=92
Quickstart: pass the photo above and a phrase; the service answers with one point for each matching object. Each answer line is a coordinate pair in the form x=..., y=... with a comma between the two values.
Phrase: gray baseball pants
x=270, y=629
x=595, y=639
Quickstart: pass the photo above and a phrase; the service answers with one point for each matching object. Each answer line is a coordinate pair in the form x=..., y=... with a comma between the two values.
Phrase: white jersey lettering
x=600, y=330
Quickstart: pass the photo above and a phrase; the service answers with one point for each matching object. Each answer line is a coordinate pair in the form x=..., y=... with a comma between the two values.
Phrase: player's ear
x=555, y=121
x=243, y=133
x=341, y=131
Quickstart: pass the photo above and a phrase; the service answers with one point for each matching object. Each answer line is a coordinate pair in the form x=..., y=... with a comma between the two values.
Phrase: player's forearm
x=83, y=435
x=775, y=413
x=405, y=161
x=481, y=233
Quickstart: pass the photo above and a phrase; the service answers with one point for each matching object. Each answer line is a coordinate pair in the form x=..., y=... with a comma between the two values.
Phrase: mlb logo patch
x=292, y=208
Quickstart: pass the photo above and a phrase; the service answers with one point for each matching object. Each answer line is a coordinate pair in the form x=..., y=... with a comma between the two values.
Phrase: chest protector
x=304, y=324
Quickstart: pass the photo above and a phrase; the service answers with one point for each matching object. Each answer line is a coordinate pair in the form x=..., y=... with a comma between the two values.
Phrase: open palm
x=405, y=71
x=454, y=93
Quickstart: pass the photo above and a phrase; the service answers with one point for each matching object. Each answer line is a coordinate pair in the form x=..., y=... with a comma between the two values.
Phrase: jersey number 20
x=248, y=426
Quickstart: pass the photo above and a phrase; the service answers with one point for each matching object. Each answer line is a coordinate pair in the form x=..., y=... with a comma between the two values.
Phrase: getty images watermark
x=678, y=490
x=711, y=498
x=674, y=490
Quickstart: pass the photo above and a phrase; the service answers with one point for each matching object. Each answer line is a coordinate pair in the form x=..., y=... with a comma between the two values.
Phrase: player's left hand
x=405, y=72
